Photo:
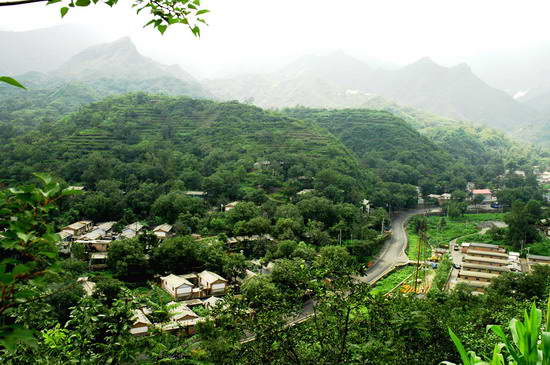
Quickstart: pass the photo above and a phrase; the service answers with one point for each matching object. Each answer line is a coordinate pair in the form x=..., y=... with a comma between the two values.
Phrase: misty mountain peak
x=463, y=67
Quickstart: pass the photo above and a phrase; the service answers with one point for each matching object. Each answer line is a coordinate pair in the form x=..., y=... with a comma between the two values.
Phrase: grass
x=454, y=228
x=390, y=281
x=412, y=247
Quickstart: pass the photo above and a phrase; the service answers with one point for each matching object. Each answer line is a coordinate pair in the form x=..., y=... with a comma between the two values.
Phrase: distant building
x=141, y=323
x=163, y=231
x=485, y=193
x=480, y=246
x=537, y=260
x=88, y=286
x=181, y=318
x=305, y=191
x=230, y=206
x=192, y=286
x=98, y=260
x=212, y=283
x=79, y=228
x=96, y=234
x=212, y=302
x=131, y=230
x=476, y=275
x=196, y=194
x=484, y=261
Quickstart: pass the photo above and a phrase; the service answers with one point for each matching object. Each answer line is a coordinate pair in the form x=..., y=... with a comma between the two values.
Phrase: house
x=176, y=286
x=485, y=193
x=484, y=261
x=484, y=268
x=181, y=318
x=479, y=246
x=163, y=231
x=88, y=286
x=96, y=245
x=131, y=230
x=93, y=235
x=196, y=194
x=79, y=228
x=305, y=191
x=212, y=302
x=538, y=260
x=230, y=206
x=64, y=243
x=141, y=323
x=212, y=283
x=98, y=260
x=478, y=286
x=106, y=226
x=488, y=254
x=476, y=275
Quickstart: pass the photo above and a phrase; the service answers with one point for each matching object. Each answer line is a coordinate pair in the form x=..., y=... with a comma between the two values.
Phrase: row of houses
x=181, y=317
x=482, y=262
x=97, y=238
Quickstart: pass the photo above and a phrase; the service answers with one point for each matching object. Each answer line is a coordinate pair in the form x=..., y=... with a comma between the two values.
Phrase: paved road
x=393, y=251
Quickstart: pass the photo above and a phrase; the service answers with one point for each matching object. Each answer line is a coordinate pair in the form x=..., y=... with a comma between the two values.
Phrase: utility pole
x=418, y=260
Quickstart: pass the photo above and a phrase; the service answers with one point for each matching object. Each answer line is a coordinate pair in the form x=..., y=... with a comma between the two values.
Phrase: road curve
x=393, y=251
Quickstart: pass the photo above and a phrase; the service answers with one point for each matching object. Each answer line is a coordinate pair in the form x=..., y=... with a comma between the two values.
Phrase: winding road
x=392, y=253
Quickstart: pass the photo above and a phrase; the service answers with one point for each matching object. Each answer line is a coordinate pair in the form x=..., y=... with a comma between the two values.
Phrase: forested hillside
x=443, y=158
x=153, y=144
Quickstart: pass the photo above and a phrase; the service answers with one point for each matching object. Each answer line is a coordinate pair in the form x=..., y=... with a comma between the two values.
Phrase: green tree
x=127, y=259
x=27, y=247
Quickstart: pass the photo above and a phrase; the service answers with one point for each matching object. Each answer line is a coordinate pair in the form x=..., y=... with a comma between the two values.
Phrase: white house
x=176, y=286
x=141, y=323
x=212, y=283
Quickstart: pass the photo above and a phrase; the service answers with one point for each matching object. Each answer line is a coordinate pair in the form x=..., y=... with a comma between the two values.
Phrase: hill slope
x=202, y=144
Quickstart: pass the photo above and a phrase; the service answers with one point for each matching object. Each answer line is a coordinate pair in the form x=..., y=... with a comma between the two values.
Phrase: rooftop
x=484, y=275
x=538, y=257
x=484, y=259
x=481, y=191
x=176, y=281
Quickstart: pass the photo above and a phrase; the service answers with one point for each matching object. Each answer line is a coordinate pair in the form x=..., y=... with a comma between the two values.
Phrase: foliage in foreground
x=530, y=344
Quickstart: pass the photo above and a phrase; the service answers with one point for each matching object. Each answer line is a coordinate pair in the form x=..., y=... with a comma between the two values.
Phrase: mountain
x=43, y=50
x=338, y=80
x=119, y=65
x=314, y=81
x=91, y=75
x=453, y=92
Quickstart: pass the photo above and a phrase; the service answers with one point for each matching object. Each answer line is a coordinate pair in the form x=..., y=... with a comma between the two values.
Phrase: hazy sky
x=259, y=34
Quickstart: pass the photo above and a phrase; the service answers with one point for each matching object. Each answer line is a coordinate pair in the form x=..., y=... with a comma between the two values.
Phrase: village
x=194, y=294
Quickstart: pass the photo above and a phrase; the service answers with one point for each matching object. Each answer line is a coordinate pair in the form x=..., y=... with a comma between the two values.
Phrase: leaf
x=162, y=28
x=11, y=81
x=20, y=269
x=52, y=2
x=45, y=178
x=204, y=11
x=64, y=11
x=82, y=2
